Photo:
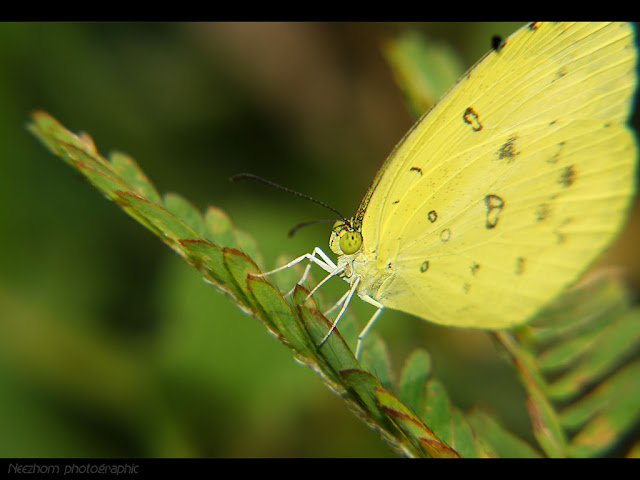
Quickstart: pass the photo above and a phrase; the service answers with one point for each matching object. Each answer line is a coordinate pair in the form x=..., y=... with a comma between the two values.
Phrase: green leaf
x=159, y=220
x=220, y=227
x=437, y=411
x=580, y=370
x=375, y=359
x=129, y=171
x=414, y=376
x=423, y=68
x=364, y=384
x=495, y=441
x=186, y=212
x=413, y=427
x=285, y=324
x=209, y=260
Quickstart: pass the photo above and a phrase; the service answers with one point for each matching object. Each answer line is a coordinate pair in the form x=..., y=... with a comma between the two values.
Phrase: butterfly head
x=346, y=238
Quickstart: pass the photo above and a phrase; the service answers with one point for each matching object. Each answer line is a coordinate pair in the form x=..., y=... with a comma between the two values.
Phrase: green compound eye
x=350, y=242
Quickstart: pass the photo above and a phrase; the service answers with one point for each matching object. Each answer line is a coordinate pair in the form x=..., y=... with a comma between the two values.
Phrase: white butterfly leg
x=324, y=262
x=328, y=262
x=350, y=293
x=369, y=324
x=346, y=298
x=333, y=273
x=338, y=303
x=329, y=266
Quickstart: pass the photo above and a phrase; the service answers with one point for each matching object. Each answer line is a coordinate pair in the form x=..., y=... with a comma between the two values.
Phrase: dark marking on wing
x=567, y=177
x=494, y=204
x=416, y=169
x=474, y=269
x=556, y=156
x=542, y=211
x=425, y=266
x=561, y=73
x=396, y=202
x=497, y=43
x=433, y=216
x=562, y=237
x=508, y=150
x=471, y=117
x=520, y=262
x=533, y=26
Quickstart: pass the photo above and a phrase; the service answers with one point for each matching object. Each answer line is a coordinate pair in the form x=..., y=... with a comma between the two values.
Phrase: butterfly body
x=507, y=190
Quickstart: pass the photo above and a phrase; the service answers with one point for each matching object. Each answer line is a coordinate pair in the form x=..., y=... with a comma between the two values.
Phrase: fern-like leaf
x=219, y=251
x=579, y=364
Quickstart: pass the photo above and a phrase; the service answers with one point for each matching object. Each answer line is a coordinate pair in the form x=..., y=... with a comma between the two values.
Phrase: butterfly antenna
x=304, y=224
x=249, y=176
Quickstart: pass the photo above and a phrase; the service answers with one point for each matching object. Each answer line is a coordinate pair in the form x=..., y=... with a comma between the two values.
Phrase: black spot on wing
x=508, y=150
x=561, y=72
x=471, y=117
x=542, y=211
x=497, y=43
x=520, y=262
x=424, y=266
x=433, y=216
x=567, y=176
x=553, y=159
x=494, y=205
x=416, y=169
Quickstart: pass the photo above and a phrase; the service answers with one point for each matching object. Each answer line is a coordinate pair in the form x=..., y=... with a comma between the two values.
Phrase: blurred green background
x=109, y=344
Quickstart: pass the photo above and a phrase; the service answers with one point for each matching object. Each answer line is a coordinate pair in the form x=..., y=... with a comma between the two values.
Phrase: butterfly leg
x=369, y=324
x=328, y=266
x=323, y=262
x=333, y=273
x=349, y=295
x=338, y=303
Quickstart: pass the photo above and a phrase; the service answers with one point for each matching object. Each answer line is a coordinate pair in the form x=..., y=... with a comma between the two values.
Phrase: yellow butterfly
x=505, y=191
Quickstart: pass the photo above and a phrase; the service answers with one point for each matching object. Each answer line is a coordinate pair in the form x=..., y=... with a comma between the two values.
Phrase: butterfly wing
x=511, y=186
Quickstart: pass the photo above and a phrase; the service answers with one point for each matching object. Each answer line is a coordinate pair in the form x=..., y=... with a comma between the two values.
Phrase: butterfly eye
x=350, y=242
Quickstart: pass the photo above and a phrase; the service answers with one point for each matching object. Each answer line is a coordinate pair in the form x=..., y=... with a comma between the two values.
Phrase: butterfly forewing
x=511, y=186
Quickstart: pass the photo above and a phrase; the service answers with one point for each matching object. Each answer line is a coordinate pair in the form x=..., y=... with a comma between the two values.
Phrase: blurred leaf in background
x=109, y=344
